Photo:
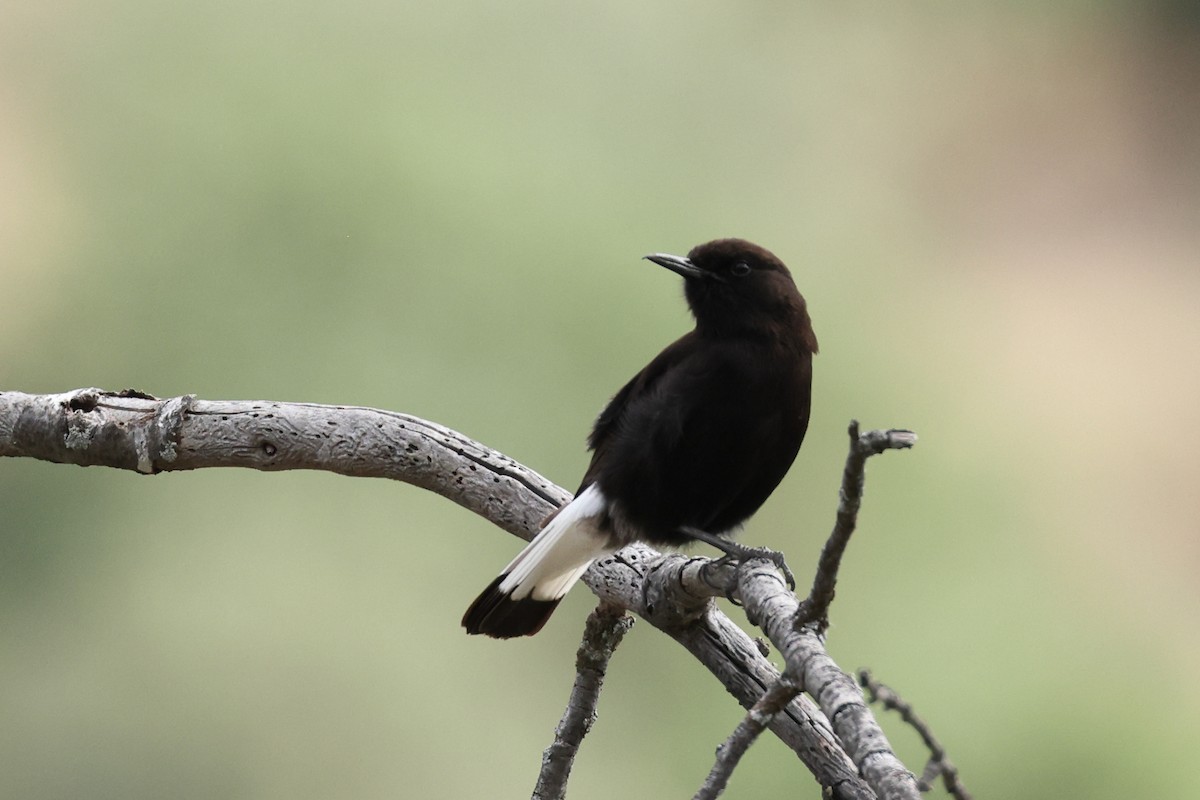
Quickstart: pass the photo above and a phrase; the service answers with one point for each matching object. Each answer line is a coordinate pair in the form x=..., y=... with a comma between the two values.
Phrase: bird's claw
x=742, y=554
x=727, y=587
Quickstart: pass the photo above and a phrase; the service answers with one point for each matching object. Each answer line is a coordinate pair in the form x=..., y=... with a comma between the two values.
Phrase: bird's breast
x=708, y=446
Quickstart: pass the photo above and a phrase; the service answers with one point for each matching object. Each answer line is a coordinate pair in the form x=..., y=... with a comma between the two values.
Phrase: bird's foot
x=740, y=554
x=728, y=586
x=737, y=555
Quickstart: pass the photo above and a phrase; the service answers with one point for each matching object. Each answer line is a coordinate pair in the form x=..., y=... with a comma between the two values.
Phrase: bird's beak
x=679, y=264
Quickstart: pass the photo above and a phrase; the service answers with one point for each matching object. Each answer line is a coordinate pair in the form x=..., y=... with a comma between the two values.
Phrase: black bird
x=690, y=447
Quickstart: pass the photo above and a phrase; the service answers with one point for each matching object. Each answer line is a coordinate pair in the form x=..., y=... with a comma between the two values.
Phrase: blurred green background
x=993, y=209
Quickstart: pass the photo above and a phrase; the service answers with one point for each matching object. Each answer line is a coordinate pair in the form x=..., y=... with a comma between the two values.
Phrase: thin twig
x=756, y=720
x=938, y=763
x=862, y=446
x=603, y=631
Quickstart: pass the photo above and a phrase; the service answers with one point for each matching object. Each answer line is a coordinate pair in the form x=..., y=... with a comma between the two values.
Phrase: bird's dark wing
x=703, y=439
x=638, y=386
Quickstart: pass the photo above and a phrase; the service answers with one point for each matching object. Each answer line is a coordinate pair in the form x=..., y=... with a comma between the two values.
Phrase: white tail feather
x=560, y=554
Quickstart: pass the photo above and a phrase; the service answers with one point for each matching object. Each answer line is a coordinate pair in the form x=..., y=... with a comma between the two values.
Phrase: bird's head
x=735, y=286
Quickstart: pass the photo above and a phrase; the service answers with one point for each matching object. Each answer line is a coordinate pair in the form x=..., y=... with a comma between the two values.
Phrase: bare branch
x=731, y=751
x=603, y=631
x=770, y=605
x=669, y=593
x=939, y=763
x=816, y=607
x=132, y=430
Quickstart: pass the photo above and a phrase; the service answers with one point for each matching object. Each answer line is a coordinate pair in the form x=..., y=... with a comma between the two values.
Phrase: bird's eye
x=740, y=270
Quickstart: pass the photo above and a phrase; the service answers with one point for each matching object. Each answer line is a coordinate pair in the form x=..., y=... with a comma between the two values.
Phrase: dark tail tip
x=495, y=613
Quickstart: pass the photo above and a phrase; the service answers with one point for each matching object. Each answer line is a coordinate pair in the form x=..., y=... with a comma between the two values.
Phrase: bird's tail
x=519, y=602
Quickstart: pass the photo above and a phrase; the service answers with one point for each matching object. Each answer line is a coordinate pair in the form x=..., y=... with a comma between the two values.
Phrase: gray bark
x=131, y=430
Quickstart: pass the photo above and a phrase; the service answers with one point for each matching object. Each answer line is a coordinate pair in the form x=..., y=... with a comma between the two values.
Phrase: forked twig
x=789, y=624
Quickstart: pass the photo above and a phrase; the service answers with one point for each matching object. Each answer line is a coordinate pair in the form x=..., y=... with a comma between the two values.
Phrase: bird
x=690, y=447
